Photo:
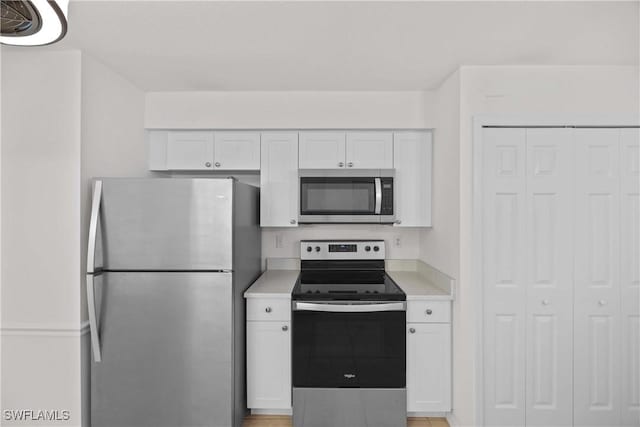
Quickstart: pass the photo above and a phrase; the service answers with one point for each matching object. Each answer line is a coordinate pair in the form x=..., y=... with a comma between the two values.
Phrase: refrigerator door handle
x=93, y=226
x=93, y=319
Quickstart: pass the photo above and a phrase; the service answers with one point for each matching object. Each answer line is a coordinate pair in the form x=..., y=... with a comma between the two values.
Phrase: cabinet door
x=369, y=150
x=630, y=273
x=279, y=179
x=412, y=160
x=190, y=150
x=503, y=276
x=428, y=367
x=268, y=365
x=237, y=150
x=597, y=342
x=549, y=276
x=322, y=150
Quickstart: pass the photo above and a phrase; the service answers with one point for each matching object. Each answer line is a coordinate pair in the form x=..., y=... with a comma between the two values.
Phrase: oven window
x=349, y=350
x=337, y=196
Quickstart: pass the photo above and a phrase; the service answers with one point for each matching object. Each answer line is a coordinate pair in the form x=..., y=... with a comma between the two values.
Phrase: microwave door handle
x=349, y=308
x=378, y=207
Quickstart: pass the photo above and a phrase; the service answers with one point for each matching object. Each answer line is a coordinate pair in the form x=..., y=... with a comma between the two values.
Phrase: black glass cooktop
x=346, y=280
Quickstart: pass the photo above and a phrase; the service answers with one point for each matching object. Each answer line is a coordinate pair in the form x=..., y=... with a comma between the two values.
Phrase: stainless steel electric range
x=349, y=347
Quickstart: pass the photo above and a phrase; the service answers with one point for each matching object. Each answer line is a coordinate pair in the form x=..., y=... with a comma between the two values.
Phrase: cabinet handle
x=208, y=164
x=350, y=164
x=217, y=164
x=285, y=328
x=293, y=221
x=268, y=309
x=429, y=312
x=341, y=164
x=602, y=303
x=412, y=330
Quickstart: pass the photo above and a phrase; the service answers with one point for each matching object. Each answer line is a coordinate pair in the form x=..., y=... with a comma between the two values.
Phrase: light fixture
x=32, y=22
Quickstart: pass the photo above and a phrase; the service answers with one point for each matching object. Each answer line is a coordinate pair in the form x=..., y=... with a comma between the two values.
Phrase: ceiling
x=300, y=45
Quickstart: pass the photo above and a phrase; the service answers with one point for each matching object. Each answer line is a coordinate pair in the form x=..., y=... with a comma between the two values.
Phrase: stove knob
x=309, y=292
x=317, y=291
x=317, y=248
x=375, y=292
x=309, y=248
x=376, y=249
x=367, y=248
x=367, y=292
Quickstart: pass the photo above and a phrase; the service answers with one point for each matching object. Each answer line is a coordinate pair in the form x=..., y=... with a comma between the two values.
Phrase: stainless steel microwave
x=353, y=196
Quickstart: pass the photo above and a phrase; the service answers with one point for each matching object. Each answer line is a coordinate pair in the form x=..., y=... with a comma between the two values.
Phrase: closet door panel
x=549, y=276
x=504, y=276
x=597, y=357
x=630, y=274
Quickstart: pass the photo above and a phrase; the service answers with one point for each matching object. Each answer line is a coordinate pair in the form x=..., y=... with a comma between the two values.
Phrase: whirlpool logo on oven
x=349, y=376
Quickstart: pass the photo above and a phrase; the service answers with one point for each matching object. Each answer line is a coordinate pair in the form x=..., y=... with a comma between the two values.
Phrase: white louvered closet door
x=597, y=278
x=549, y=277
x=630, y=274
x=527, y=239
x=504, y=276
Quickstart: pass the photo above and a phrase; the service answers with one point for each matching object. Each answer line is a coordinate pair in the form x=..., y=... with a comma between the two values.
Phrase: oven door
x=349, y=345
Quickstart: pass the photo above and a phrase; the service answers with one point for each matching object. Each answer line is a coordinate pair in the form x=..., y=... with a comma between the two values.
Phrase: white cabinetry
x=269, y=353
x=429, y=356
x=369, y=150
x=279, y=179
x=235, y=150
x=189, y=150
x=560, y=277
x=356, y=150
x=322, y=150
x=203, y=150
x=412, y=160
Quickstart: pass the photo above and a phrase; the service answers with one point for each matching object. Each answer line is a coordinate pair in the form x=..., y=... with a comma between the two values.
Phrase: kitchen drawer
x=428, y=311
x=277, y=309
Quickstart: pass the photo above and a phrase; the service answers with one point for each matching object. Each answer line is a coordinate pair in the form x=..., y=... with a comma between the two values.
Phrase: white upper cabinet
x=344, y=150
x=236, y=150
x=279, y=179
x=322, y=150
x=369, y=150
x=412, y=160
x=203, y=150
x=189, y=150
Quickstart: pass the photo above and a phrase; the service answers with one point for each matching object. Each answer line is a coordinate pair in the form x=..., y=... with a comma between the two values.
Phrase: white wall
x=112, y=134
x=440, y=244
x=279, y=110
x=289, y=238
x=40, y=231
x=516, y=90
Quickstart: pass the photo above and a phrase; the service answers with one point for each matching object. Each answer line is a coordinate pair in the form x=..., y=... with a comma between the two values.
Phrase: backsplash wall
x=401, y=243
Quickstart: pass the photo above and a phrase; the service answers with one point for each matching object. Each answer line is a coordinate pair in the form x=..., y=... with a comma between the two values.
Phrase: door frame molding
x=480, y=121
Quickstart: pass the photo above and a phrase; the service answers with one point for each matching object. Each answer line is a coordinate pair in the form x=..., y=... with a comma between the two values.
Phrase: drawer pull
x=268, y=309
x=429, y=312
x=412, y=330
x=285, y=328
x=602, y=303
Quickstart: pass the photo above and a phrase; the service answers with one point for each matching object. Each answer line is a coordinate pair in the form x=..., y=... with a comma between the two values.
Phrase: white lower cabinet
x=428, y=356
x=428, y=367
x=269, y=363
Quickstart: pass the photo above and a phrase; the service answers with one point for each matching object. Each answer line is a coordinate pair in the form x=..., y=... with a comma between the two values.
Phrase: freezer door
x=166, y=224
x=166, y=350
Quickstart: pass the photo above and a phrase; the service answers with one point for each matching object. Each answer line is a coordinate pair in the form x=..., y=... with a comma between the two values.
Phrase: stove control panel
x=341, y=249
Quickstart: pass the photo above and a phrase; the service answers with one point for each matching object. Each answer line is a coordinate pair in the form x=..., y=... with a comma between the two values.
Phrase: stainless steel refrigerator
x=168, y=261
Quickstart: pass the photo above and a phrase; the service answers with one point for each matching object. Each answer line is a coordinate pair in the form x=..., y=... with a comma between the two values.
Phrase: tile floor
x=283, y=421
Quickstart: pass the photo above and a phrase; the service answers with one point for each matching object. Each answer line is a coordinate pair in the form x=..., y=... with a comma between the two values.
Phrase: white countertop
x=273, y=284
x=417, y=279
x=417, y=286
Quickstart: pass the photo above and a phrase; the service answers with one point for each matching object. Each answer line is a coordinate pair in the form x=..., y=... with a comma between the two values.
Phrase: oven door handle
x=378, y=207
x=349, y=308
